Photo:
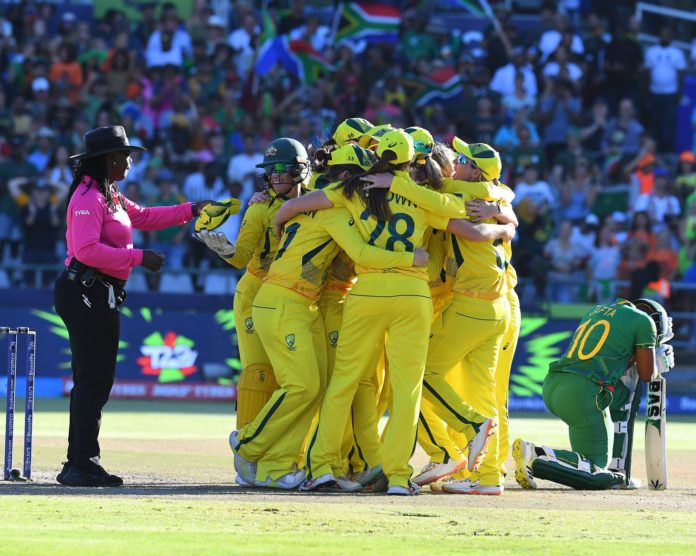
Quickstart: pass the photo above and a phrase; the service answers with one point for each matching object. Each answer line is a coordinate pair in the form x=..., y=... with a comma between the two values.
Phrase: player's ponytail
x=376, y=202
x=319, y=156
x=444, y=157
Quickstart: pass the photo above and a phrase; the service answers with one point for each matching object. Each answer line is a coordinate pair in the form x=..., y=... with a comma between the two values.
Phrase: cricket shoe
x=329, y=483
x=91, y=475
x=397, y=490
x=246, y=470
x=467, y=486
x=66, y=468
x=435, y=471
x=289, y=481
x=370, y=476
x=524, y=454
x=478, y=447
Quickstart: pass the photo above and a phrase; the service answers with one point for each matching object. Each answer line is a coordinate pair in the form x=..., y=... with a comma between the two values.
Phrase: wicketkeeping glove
x=216, y=241
x=214, y=215
x=664, y=358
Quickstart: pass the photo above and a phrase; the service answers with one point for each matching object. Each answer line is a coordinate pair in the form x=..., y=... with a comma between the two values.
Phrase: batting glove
x=217, y=242
x=669, y=333
x=215, y=214
x=664, y=358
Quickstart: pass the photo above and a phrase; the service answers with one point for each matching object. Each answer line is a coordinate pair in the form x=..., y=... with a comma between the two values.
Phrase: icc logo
x=290, y=341
x=333, y=338
x=249, y=323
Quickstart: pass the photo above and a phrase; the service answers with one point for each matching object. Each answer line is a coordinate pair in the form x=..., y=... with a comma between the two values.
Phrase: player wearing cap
x=615, y=345
x=291, y=329
x=477, y=287
x=285, y=166
x=400, y=306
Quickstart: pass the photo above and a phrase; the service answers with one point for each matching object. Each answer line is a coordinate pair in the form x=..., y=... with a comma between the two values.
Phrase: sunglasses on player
x=277, y=168
x=463, y=160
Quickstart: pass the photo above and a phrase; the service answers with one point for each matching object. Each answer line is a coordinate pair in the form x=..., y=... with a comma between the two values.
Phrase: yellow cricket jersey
x=317, y=181
x=311, y=242
x=407, y=229
x=256, y=243
x=510, y=273
x=341, y=275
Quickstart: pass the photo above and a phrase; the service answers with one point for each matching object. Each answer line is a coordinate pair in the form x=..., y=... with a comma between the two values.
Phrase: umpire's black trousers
x=93, y=327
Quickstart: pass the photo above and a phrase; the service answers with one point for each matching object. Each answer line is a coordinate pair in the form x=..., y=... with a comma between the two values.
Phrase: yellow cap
x=371, y=137
x=352, y=154
x=485, y=157
x=423, y=141
x=351, y=129
x=400, y=143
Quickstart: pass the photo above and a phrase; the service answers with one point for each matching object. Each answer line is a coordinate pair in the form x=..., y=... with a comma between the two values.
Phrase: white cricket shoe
x=289, y=481
x=478, y=447
x=411, y=490
x=435, y=471
x=329, y=483
x=246, y=470
x=524, y=453
x=467, y=486
x=311, y=485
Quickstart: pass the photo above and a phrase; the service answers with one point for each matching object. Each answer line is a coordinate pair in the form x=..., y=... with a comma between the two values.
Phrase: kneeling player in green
x=595, y=389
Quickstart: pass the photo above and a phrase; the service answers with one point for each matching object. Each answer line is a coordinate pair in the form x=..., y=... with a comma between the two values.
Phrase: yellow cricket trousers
x=370, y=312
x=471, y=332
x=257, y=381
x=292, y=333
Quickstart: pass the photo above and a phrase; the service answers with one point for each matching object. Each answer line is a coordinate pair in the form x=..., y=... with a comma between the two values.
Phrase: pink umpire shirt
x=103, y=239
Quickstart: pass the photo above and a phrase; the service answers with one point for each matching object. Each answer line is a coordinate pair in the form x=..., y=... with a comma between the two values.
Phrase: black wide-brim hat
x=104, y=140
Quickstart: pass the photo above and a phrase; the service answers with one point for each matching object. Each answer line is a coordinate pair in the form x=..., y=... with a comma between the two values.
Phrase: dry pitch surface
x=180, y=498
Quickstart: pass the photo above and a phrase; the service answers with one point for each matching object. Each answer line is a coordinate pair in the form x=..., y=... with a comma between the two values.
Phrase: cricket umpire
x=100, y=221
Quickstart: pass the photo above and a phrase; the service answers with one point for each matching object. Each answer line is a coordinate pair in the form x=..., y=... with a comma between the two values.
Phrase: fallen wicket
x=13, y=335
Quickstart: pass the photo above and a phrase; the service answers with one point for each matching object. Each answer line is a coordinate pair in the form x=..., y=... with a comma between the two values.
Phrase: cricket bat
x=655, y=428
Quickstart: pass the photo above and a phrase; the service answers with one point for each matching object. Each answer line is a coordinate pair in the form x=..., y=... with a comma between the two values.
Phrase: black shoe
x=92, y=475
x=66, y=468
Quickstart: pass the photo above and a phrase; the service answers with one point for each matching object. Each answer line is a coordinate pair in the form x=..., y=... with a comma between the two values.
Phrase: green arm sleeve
x=448, y=205
x=349, y=239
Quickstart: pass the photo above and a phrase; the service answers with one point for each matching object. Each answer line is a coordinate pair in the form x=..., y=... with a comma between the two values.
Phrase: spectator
x=627, y=123
x=563, y=68
x=559, y=110
x=662, y=207
x=603, y=266
x=593, y=133
x=550, y=40
x=204, y=184
x=41, y=156
x=503, y=81
x=519, y=99
x=531, y=187
x=242, y=168
x=243, y=41
x=665, y=62
x=665, y=255
x=685, y=182
x=641, y=229
x=566, y=261
x=584, y=234
x=170, y=44
x=617, y=223
x=506, y=138
x=59, y=169
x=570, y=157
x=624, y=59
x=526, y=153
x=578, y=191
x=66, y=73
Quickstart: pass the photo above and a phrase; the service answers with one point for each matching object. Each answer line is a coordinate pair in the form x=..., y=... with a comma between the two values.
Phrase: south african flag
x=371, y=22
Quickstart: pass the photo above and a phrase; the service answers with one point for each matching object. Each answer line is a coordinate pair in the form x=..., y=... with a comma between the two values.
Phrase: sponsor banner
x=676, y=405
x=140, y=389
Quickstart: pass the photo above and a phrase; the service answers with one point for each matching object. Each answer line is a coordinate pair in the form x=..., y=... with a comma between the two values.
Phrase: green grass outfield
x=180, y=499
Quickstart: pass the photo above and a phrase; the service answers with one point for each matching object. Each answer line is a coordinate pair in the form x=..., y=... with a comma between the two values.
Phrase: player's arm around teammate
x=291, y=330
x=255, y=248
x=580, y=388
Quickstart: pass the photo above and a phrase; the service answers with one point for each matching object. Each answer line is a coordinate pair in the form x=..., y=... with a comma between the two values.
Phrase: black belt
x=87, y=275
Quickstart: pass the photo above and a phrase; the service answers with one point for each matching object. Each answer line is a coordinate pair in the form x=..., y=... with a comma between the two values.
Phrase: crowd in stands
x=583, y=114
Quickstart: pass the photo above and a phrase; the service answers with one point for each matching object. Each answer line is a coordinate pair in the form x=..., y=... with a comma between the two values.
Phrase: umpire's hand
x=152, y=260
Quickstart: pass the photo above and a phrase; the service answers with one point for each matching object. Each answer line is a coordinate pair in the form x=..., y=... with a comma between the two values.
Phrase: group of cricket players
x=378, y=283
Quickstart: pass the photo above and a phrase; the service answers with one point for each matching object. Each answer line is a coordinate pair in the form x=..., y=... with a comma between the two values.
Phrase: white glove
x=664, y=358
x=669, y=333
x=216, y=241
